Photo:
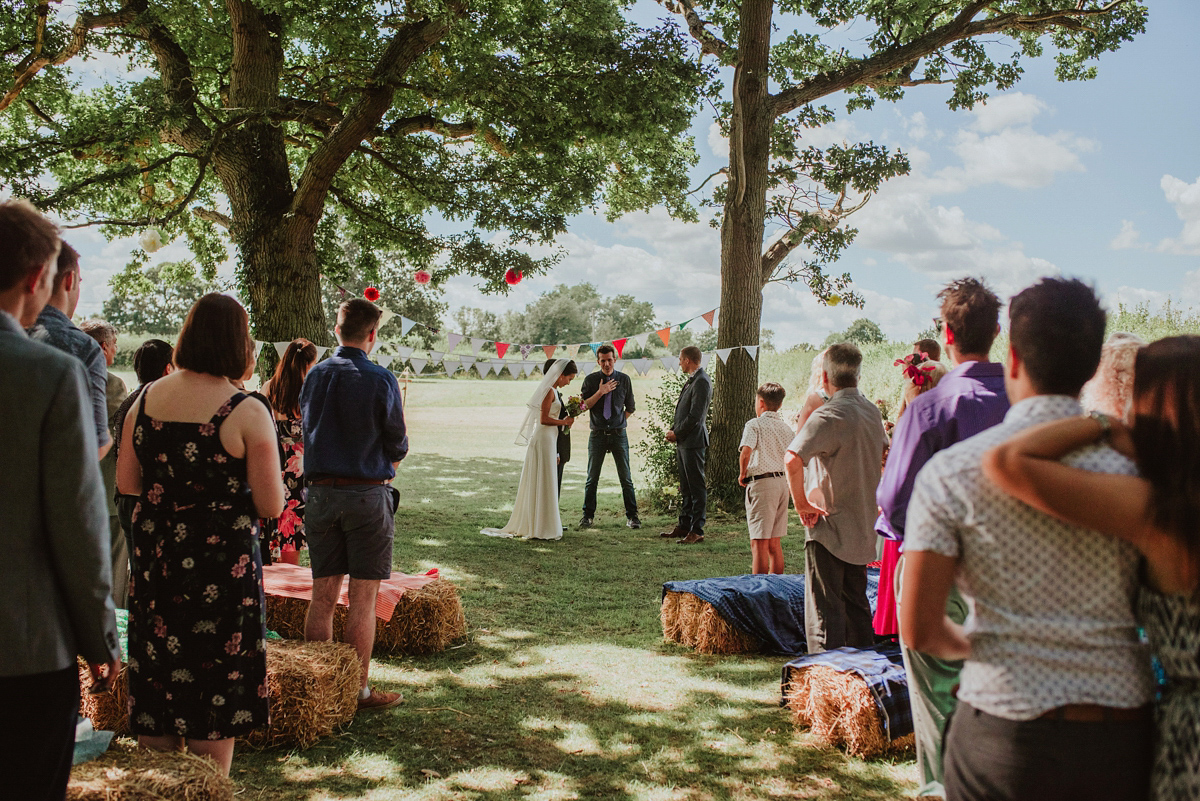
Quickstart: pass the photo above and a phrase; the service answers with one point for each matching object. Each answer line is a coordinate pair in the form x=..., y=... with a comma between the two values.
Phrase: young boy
x=764, y=441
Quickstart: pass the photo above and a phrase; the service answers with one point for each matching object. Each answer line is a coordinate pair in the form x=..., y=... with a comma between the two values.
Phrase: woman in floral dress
x=285, y=536
x=205, y=466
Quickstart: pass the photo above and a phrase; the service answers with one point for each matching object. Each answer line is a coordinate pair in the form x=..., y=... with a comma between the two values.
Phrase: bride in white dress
x=535, y=514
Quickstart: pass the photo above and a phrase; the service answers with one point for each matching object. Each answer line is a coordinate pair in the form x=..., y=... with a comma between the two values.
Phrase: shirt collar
x=54, y=314
x=10, y=324
x=845, y=393
x=350, y=352
x=773, y=413
x=1042, y=409
x=975, y=369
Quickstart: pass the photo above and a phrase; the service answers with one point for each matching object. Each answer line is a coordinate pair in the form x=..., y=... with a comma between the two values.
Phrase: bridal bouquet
x=574, y=406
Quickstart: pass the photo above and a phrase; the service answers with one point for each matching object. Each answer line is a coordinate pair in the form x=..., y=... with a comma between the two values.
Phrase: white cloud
x=1185, y=198
x=916, y=126
x=1006, y=111
x=718, y=143
x=1129, y=237
x=795, y=316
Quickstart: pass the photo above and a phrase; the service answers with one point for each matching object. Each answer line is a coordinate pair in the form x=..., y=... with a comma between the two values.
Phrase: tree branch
x=709, y=44
x=427, y=123
x=864, y=71
x=212, y=216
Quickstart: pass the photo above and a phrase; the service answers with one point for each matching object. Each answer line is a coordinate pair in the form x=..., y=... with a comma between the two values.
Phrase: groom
x=689, y=433
x=608, y=397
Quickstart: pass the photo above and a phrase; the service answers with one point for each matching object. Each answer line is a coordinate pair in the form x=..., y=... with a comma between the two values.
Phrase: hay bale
x=425, y=620
x=128, y=774
x=839, y=709
x=690, y=621
x=313, y=689
x=107, y=711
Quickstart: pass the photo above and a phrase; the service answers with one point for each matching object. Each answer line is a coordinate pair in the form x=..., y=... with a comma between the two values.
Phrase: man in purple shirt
x=969, y=399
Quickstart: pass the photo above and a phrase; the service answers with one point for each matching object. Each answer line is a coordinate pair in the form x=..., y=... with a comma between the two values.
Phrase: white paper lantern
x=151, y=240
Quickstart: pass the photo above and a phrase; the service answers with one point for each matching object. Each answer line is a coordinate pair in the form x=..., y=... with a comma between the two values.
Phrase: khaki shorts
x=767, y=508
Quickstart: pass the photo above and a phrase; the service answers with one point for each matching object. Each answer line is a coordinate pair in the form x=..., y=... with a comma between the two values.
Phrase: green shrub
x=661, y=472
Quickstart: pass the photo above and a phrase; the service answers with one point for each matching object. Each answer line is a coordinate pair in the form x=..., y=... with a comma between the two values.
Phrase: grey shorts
x=350, y=529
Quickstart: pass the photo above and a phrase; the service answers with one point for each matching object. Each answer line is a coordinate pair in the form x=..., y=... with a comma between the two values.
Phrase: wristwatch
x=1105, y=423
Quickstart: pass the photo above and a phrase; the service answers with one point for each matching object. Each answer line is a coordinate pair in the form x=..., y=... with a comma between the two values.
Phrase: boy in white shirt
x=764, y=442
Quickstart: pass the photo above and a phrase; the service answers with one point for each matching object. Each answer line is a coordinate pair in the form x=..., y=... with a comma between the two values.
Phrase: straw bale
x=313, y=689
x=696, y=623
x=128, y=774
x=839, y=709
x=107, y=711
x=425, y=620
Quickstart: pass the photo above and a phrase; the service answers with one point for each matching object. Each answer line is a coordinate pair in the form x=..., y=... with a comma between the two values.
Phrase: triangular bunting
x=435, y=355
x=418, y=364
x=258, y=346
x=752, y=350
x=501, y=349
x=704, y=359
x=549, y=350
x=665, y=335
x=619, y=344
x=476, y=344
x=708, y=317
x=585, y=368
x=683, y=325
x=382, y=359
x=321, y=351
x=404, y=351
x=525, y=350
x=497, y=365
x=453, y=340
x=619, y=365
x=281, y=347
x=384, y=318
x=406, y=325
x=723, y=354
x=640, y=340
x=670, y=362
x=641, y=365
x=483, y=368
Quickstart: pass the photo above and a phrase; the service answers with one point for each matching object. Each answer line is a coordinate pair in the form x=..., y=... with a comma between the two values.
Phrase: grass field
x=563, y=687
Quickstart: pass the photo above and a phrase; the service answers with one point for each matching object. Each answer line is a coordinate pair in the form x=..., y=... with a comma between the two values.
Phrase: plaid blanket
x=881, y=667
x=292, y=581
x=768, y=607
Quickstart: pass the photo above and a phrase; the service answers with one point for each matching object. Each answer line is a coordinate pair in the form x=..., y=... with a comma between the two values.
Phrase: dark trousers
x=995, y=759
x=600, y=444
x=693, y=492
x=836, y=610
x=37, y=734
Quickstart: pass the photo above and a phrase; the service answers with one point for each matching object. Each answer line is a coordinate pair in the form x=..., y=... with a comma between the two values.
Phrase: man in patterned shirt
x=1056, y=688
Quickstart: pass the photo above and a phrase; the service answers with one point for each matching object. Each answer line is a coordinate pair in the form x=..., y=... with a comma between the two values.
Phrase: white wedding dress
x=535, y=514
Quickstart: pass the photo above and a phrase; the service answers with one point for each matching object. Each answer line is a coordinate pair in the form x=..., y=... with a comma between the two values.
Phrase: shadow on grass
x=563, y=688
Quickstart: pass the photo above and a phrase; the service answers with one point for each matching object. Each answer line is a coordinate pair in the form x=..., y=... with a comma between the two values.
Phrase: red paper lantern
x=513, y=277
x=371, y=294
x=422, y=277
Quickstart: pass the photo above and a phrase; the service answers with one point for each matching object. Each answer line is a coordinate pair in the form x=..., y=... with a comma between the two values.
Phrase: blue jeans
x=600, y=444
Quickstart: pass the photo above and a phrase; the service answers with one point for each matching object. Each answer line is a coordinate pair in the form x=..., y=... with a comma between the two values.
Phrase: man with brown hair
x=354, y=439
x=843, y=442
x=55, y=590
x=54, y=327
x=689, y=433
x=968, y=399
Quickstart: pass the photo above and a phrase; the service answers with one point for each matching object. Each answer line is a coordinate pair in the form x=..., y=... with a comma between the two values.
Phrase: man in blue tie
x=608, y=397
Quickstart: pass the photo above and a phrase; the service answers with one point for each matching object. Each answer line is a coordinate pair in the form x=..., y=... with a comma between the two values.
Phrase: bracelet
x=1105, y=424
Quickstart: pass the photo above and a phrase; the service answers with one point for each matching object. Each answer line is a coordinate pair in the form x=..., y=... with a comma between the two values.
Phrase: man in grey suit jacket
x=55, y=578
x=689, y=432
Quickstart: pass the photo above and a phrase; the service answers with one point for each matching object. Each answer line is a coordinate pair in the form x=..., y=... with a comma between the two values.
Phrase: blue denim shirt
x=353, y=418
x=56, y=329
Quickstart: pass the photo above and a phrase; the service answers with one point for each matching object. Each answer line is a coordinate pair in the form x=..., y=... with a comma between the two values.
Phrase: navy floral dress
x=288, y=528
x=197, y=632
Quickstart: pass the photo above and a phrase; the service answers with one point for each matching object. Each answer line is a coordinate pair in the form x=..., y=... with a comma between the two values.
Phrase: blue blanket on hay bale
x=881, y=667
x=768, y=607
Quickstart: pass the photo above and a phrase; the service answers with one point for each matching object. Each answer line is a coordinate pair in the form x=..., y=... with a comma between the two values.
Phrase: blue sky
x=1099, y=180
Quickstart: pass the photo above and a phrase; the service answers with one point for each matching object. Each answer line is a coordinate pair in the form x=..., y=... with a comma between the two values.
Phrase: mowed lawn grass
x=563, y=687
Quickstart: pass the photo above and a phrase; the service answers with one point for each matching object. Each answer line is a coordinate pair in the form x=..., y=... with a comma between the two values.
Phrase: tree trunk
x=741, y=246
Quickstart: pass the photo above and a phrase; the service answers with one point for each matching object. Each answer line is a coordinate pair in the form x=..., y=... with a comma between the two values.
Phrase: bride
x=535, y=514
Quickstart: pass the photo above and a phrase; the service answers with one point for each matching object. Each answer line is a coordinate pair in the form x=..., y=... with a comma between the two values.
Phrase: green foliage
x=156, y=300
x=661, y=472
x=1167, y=321
x=570, y=314
x=861, y=332
x=704, y=338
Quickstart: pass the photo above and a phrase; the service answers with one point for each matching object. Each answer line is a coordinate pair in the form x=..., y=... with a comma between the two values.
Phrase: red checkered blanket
x=292, y=581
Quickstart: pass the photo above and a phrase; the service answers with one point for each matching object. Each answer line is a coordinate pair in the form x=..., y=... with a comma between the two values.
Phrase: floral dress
x=197, y=632
x=288, y=528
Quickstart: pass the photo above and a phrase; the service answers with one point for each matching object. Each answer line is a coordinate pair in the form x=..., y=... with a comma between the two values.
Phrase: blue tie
x=608, y=406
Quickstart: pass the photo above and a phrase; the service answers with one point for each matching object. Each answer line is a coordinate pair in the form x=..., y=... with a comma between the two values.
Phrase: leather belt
x=1094, y=713
x=337, y=481
x=763, y=475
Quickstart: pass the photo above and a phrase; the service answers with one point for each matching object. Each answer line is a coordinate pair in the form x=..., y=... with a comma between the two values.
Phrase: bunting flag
x=483, y=368
x=641, y=365
x=435, y=355
x=640, y=340
x=453, y=340
x=670, y=362
x=751, y=350
x=448, y=360
x=683, y=325
x=704, y=359
x=708, y=317
x=497, y=365
x=404, y=351
x=321, y=351
x=281, y=347
x=382, y=359
x=585, y=367
x=258, y=346
x=723, y=354
x=569, y=351
x=665, y=335
x=549, y=350
x=406, y=325
x=418, y=364
x=501, y=349
x=384, y=318
x=619, y=344
x=476, y=344
x=620, y=364
x=525, y=350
